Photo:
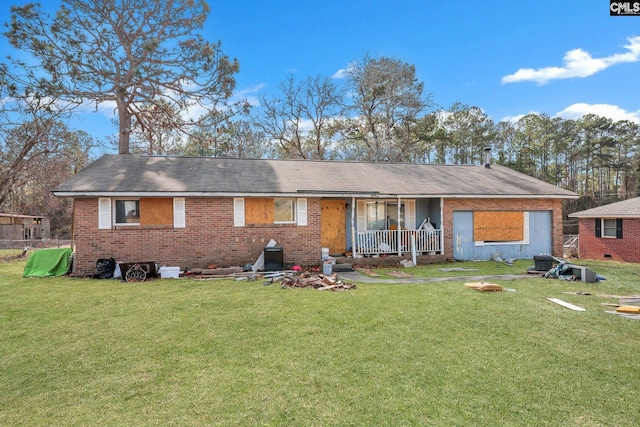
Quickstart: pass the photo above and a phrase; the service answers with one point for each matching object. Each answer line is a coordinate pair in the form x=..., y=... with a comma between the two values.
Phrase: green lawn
x=221, y=352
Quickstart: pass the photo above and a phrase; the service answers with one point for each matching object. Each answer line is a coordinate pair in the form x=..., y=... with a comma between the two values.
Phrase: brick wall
x=626, y=249
x=208, y=238
x=555, y=205
x=211, y=238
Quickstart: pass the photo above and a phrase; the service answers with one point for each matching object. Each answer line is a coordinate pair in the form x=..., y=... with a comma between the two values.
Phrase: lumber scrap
x=367, y=272
x=484, y=287
x=399, y=274
x=220, y=271
x=630, y=309
x=627, y=315
x=566, y=304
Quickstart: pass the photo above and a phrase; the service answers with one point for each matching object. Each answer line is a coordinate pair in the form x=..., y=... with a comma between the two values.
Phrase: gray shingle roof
x=191, y=176
x=626, y=208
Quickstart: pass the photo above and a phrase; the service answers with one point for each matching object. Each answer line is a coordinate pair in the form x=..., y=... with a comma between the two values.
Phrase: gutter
x=310, y=194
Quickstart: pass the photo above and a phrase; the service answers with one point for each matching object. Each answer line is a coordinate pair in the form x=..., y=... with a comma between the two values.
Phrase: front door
x=333, y=232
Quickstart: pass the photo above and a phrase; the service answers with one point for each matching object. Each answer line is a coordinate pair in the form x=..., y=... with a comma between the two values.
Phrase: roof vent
x=487, y=157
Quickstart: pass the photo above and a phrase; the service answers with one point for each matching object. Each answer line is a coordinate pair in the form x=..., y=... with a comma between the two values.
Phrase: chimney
x=487, y=157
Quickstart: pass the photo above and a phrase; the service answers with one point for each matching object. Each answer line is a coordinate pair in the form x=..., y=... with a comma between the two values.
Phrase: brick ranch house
x=610, y=232
x=193, y=212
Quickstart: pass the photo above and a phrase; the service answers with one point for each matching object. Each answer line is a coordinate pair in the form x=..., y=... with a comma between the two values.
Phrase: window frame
x=115, y=210
x=604, y=229
x=385, y=205
x=293, y=209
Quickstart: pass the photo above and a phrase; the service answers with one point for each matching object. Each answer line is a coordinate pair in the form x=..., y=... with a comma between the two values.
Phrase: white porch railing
x=386, y=241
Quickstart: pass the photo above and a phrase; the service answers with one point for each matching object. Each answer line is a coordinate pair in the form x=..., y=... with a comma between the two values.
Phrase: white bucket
x=325, y=253
x=327, y=268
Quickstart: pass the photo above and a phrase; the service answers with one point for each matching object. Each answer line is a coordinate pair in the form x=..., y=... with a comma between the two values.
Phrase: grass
x=192, y=353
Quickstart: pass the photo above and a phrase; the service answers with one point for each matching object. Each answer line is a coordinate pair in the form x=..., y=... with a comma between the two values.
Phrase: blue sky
x=564, y=58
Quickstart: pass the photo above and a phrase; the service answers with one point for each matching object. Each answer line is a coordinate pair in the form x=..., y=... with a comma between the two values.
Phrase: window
x=253, y=211
x=148, y=212
x=610, y=228
x=285, y=211
x=127, y=212
x=384, y=215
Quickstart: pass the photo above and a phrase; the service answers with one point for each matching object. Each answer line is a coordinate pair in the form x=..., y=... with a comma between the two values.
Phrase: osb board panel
x=333, y=234
x=259, y=211
x=504, y=226
x=156, y=211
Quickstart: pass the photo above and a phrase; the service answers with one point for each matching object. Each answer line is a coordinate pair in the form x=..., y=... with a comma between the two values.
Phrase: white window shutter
x=361, y=215
x=104, y=213
x=179, y=212
x=410, y=214
x=238, y=212
x=301, y=214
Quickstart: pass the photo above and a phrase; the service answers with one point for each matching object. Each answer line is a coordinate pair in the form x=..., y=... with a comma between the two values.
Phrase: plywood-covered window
x=259, y=211
x=253, y=211
x=156, y=211
x=498, y=226
x=149, y=212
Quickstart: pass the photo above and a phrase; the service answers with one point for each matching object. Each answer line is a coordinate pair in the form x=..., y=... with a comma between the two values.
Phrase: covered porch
x=383, y=226
x=398, y=242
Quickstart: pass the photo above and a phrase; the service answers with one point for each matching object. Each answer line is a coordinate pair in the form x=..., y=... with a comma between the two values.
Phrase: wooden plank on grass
x=399, y=274
x=368, y=272
x=567, y=304
x=484, y=287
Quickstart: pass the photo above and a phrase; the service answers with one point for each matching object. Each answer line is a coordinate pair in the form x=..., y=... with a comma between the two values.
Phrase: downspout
x=353, y=227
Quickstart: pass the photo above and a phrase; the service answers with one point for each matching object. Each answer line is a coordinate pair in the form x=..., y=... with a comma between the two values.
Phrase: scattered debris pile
x=320, y=282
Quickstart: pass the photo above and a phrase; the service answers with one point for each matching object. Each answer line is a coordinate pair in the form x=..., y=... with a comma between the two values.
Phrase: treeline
x=173, y=94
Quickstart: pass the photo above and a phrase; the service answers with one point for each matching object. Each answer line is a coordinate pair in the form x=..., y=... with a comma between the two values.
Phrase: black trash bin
x=273, y=259
x=543, y=262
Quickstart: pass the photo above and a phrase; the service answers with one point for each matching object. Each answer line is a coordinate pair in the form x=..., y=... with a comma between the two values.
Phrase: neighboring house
x=24, y=227
x=193, y=212
x=610, y=232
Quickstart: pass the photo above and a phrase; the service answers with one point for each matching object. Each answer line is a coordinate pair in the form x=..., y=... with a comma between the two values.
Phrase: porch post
x=399, y=240
x=442, y=226
x=353, y=227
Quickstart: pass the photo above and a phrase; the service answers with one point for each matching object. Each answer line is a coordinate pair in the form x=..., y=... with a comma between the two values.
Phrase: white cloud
x=514, y=119
x=343, y=73
x=340, y=74
x=249, y=94
x=575, y=111
x=577, y=63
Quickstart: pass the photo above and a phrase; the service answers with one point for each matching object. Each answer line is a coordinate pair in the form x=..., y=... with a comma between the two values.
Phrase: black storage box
x=273, y=259
x=543, y=262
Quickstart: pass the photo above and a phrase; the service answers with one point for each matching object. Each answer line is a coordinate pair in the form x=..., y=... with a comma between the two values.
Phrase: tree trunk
x=124, y=131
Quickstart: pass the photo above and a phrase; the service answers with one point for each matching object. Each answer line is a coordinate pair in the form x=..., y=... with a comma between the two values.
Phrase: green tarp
x=48, y=262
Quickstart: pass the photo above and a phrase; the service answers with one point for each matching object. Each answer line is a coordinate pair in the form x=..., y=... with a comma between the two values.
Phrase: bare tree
x=31, y=130
x=129, y=53
x=157, y=134
x=300, y=122
x=387, y=101
x=237, y=138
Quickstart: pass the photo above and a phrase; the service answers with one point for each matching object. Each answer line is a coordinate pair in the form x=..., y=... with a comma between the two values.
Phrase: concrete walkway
x=354, y=276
